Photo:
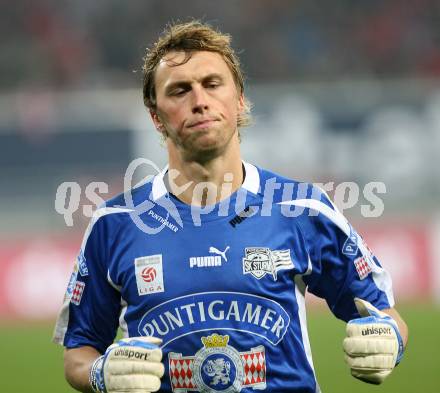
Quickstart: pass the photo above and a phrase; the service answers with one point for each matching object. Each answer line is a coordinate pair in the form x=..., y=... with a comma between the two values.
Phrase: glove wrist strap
x=96, y=377
x=401, y=348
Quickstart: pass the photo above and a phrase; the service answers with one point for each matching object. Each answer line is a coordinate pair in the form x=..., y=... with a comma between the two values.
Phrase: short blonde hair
x=191, y=37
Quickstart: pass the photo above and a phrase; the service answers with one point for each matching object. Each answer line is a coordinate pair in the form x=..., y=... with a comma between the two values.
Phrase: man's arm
x=77, y=365
x=130, y=365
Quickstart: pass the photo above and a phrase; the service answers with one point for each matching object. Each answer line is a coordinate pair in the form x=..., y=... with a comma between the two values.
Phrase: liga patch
x=77, y=293
x=363, y=268
x=149, y=274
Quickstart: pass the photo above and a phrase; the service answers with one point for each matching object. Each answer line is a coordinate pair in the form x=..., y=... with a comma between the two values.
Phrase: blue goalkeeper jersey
x=223, y=286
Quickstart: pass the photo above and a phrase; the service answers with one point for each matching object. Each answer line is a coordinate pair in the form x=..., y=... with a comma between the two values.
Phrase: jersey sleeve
x=92, y=304
x=342, y=267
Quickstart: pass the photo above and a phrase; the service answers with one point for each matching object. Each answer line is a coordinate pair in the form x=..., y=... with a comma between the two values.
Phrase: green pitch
x=419, y=371
x=31, y=363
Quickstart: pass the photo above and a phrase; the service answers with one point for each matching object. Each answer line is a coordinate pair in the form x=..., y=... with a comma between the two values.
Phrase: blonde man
x=212, y=299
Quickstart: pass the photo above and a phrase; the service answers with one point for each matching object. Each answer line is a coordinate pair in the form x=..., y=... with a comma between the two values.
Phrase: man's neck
x=208, y=183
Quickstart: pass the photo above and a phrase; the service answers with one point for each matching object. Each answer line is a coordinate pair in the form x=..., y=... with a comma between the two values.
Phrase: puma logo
x=214, y=250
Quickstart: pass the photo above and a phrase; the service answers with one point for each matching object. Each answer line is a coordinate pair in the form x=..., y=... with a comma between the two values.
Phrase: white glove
x=373, y=346
x=132, y=365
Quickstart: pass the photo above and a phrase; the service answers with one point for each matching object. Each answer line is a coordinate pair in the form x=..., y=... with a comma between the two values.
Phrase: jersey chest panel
x=256, y=258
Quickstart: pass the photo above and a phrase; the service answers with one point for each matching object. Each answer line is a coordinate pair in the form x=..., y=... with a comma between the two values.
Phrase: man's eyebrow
x=212, y=76
x=186, y=83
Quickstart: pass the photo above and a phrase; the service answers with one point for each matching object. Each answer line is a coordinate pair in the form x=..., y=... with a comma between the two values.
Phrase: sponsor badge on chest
x=149, y=274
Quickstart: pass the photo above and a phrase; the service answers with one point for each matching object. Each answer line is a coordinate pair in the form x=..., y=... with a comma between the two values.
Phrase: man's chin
x=203, y=152
x=204, y=145
x=202, y=141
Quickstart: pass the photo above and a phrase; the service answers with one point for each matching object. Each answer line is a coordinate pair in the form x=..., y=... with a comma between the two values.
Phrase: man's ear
x=241, y=103
x=157, y=122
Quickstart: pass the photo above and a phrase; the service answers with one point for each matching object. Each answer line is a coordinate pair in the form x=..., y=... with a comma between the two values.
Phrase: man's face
x=197, y=103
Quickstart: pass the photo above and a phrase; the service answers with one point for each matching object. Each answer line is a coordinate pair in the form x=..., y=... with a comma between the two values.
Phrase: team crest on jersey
x=149, y=274
x=260, y=261
x=218, y=367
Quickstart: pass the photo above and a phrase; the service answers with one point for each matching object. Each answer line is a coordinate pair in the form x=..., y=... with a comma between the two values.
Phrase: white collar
x=251, y=181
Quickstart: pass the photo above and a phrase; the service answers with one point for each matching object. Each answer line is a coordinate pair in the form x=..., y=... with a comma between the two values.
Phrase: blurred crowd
x=65, y=44
x=345, y=93
x=371, y=95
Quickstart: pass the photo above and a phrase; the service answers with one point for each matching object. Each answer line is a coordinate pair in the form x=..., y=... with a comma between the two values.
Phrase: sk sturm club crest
x=260, y=261
x=218, y=367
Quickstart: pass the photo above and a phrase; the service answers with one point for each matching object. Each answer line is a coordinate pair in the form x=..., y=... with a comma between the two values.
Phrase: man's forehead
x=171, y=59
x=199, y=63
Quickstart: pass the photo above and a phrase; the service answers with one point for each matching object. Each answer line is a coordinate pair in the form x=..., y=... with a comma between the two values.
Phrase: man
x=213, y=299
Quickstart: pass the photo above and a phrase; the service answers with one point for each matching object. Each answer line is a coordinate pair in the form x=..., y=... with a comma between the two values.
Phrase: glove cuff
x=96, y=376
x=401, y=347
x=389, y=320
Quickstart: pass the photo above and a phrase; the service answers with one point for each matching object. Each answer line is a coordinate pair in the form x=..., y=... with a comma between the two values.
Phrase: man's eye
x=179, y=92
x=212, y=85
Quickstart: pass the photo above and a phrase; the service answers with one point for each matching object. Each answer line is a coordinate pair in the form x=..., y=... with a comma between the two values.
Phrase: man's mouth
x=202, y=123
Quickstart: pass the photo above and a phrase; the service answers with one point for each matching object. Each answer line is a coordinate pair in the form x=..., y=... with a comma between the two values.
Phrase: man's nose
x=200, y=100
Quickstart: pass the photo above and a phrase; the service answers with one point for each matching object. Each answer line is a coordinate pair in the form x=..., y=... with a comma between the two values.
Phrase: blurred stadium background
x=343, y=91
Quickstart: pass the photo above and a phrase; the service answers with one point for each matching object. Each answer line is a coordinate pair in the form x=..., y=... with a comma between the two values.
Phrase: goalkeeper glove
x=373, y=346
x=132, y=365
